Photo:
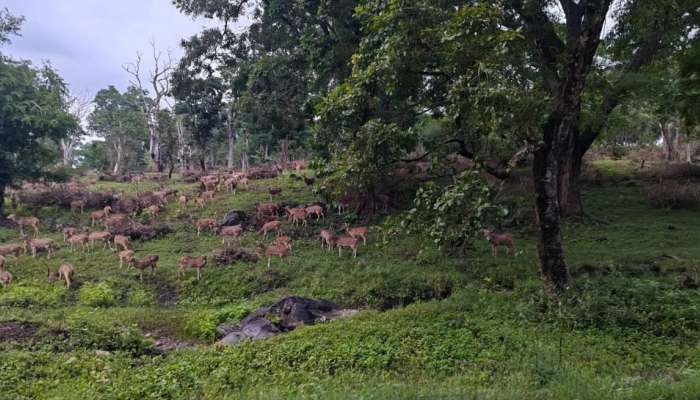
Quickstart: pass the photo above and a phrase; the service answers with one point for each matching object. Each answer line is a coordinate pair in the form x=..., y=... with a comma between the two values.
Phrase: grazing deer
x=76, y=205
x=150, y=261
x=115, y=220
x=360, y=231
x=102, y=236
x=32, y=222
x=37, y=245
x=296, y=215
x=200, y=202
x=280, y=250
x=78, y=239
x=205, y=223
x=121, y=240
x=265, y=208
x=231, y=184
x=126, y=257
x=283, y=240
x=5, y=277
x=197, y=263
x=346, y=241
x=208, y=195
x=315, y=210
x=497, y=240
x=270, y=226
x=327, y=238
x=182, y=202
x=11, y=250
x=67, y=232
x=99, y=215
x=230, y=231
x=65, y=272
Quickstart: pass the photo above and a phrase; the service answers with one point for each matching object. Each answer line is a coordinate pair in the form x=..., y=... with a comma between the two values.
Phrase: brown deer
x=121, y=241
x=315, y=210
x=346, y=241
x=270, y=226
x=283, y=240
x=65, y=272
x=197, y=263
x=327, y=239
x=153, y=212
x=126, y=257
x=205, y=223
x=296, y=215
x=263, y=209
x=182, y=201
x=200, y=202
x=76, y=205
x=32, y=222
x=208, y=195
x=102, y=236
x=3, y=260
x=150, y=261
x=497, y=240
x=78, y=239
x=360, y=231
x=67, y=232
x=231, y=184
x=280, y=250
x=10, y=250
x=5, y=278
x=99, y=215
x=230, y=231
x=37, y=245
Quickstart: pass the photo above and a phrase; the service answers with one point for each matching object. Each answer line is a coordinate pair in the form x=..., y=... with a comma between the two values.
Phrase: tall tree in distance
x=156, y=83
x=80, y=108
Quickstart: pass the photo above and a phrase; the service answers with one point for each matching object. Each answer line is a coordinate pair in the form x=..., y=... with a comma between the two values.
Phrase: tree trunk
x=67, y=146
x=284, y=152
x=202, y=162
x=117, y=163
x=231, y=147
x=2, y=201
x=570, y=201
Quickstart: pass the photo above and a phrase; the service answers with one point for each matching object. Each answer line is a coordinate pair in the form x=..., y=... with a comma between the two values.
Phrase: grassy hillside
x=430, y=325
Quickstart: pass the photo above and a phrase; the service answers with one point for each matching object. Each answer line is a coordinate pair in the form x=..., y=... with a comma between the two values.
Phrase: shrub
x=98, y=295
x=672, y=195
x=24, y=296
x=140, y=297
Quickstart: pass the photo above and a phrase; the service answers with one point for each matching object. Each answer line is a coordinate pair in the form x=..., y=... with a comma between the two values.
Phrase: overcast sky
x=89, y=40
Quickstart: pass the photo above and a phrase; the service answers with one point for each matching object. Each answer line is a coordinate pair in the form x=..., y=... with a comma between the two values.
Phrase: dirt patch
x=17, y=331
x=166, y=294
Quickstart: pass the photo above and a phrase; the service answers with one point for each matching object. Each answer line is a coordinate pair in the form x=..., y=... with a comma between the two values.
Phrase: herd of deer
x=279, y=247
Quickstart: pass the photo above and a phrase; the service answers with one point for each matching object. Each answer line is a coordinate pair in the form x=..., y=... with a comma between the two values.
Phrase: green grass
x=430, y=326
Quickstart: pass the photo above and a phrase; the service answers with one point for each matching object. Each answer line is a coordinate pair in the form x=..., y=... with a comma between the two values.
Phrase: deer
x=153, y=212
x=99, y=215
x=102, y=236
x=32, y=222
x=3, y=260
x=200, y=202
x=360, y=231
x=121, y=241
x=230, y=231
x=10, y=250
x=115, y=220
x=186, y=262
x=315, y=210
x=231, y=184
x=270, y=226
x=78, y=239
x=205, y=223
x=346, y=241
x=275, y=249
x=497, y=240
x=149, y=261
x=65, y=271
x=296, y=215
x=265, y=208
x=327, y=239
x=67, y=231
x=283, y=240
x=37, y=245
x=126, y=257
x=5, y=277
x=182, y=202
x=76, y=205
x=243, y=181
x=208, y=195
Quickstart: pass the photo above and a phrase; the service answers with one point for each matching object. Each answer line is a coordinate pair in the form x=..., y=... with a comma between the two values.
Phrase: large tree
x=33, y=114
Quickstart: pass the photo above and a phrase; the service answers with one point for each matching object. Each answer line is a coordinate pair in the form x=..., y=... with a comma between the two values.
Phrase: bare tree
x=80, y=106
x=158, y=85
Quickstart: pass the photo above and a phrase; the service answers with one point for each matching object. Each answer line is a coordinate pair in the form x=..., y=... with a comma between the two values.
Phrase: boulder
x=236, y=217
x=283, y=316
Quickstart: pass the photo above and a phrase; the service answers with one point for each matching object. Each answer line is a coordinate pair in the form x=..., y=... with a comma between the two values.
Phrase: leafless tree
x=157, y=84
x=80, y=106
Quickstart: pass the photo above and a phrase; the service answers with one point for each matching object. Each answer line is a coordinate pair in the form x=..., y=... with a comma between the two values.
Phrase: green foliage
x=98, y=295
x=454, y=215
x=28, y=295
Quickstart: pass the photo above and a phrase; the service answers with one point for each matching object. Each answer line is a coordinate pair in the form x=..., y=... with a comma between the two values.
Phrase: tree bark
x=231, y=147
x=2, y=201
x=117, y=162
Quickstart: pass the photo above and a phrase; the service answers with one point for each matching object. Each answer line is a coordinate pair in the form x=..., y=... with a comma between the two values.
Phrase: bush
x=676, y=171
x=98, y=295
x=141, y=297
x=24, y=296
x=673, y=195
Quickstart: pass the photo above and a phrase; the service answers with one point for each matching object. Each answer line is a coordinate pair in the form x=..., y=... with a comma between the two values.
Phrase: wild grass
x=430, y=326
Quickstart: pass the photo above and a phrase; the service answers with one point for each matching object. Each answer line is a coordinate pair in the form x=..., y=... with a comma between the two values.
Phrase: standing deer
x=5, y=277
x=230, y=231
x=197, y=263
x=497, y=240
x=32, y=222
x=126, y=257
x=270, y=226
x=150, y=261
x=346, y=241
x=327, y=238
x=360, y=231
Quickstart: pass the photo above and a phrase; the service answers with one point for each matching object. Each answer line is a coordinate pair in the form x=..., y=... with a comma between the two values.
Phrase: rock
x=235, y=217
x=231, y=255
x=283, y=316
